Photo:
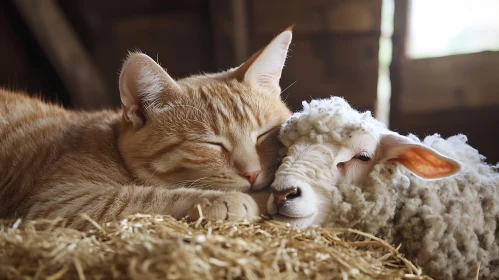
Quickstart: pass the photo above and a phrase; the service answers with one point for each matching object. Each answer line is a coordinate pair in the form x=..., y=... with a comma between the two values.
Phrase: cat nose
x=251, y=176
x=282, y=196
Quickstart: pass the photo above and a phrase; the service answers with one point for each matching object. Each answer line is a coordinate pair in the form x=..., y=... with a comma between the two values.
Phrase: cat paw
x=232, y=206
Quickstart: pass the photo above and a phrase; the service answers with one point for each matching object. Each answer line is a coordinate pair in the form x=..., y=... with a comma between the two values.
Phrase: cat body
x=203, y=140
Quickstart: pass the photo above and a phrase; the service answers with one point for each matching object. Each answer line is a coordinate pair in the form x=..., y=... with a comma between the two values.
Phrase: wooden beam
x=240, y=19
x=398, y=57
x=317, y=16
x=66, y=53
x=222, y=22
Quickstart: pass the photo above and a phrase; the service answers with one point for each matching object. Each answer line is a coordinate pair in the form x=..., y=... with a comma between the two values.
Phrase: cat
x=204, y=140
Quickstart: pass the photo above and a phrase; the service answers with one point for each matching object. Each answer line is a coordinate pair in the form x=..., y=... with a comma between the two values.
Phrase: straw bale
x=160, y=247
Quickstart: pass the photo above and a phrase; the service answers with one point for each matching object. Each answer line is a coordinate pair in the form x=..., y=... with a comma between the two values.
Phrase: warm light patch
x=449, y=27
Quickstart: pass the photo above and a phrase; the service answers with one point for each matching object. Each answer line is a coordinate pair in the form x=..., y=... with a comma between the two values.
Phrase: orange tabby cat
x=175, y=144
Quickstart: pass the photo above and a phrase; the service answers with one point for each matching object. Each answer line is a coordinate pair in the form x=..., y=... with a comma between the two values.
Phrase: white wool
x=327, y=120
x=447, y=225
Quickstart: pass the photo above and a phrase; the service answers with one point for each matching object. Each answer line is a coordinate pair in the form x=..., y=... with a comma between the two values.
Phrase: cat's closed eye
x=218, y=145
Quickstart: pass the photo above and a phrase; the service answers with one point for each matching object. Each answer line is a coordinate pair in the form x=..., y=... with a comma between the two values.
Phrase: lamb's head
x=329, y=143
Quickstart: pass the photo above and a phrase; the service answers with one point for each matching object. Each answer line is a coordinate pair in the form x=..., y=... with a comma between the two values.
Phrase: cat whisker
x=198, y=180
x=187, y=183
x=287, y=89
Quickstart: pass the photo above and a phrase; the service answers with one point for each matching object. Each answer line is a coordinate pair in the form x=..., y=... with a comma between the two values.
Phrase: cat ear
x=142, y=81
x=264, y=68
x=421, y=160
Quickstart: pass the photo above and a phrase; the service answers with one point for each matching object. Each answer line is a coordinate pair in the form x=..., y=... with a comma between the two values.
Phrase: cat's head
x=216, y=131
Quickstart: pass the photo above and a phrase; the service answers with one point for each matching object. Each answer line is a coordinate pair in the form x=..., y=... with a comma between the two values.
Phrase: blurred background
x=425, y=66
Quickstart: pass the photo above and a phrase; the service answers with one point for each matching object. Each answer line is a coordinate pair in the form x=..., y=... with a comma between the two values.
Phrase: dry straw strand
x=160, y=247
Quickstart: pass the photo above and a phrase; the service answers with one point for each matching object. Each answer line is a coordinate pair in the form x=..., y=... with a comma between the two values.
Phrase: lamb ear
x=421, y=160
x=142, y=81
x=264, y=68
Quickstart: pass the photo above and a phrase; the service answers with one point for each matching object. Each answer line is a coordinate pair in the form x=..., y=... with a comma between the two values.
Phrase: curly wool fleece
x=327, y=120
x=447, y=226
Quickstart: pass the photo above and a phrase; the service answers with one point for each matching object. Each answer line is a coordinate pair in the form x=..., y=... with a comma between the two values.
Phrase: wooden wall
x=24, y=65
x=177, y=33
x=334, y=50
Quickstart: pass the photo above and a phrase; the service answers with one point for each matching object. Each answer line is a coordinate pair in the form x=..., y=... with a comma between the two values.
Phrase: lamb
x=437, y=197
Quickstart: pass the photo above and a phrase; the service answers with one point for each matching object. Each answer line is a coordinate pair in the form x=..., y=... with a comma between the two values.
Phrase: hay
x=159, y=247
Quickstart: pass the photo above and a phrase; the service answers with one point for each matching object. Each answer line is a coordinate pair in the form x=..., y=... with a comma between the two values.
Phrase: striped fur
x=174, y=144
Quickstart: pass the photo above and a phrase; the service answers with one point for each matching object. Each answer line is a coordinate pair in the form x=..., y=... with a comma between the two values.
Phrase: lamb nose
x=281, y=196
x=252, y=176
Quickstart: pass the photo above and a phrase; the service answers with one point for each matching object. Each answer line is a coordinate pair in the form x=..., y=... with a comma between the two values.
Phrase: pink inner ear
x=426, y=164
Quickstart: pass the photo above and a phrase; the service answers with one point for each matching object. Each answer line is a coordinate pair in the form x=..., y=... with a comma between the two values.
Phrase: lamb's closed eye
x=426, y=195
